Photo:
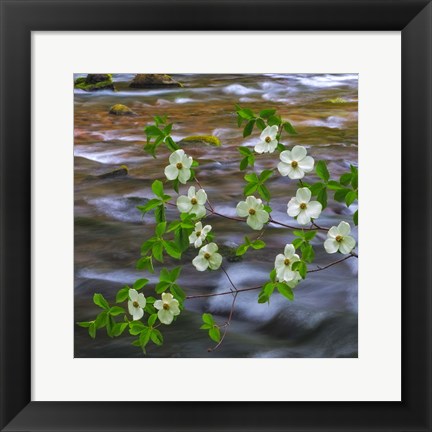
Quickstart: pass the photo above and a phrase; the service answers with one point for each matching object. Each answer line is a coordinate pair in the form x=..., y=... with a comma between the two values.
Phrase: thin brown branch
x=227, y=324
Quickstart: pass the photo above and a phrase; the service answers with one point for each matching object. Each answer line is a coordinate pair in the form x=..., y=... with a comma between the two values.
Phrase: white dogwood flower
x=179, y=167
x=338, y=239
x=303, y=208
x=199, y=235
x=167, y=308
x=294, y=163
x=208, y=258
x=136, y=304
x=193, y=202
x=284, y=262
x=268, y=141
x=253, y=208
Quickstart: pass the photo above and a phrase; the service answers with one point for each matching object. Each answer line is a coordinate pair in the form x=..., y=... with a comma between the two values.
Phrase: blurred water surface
x=322, y=321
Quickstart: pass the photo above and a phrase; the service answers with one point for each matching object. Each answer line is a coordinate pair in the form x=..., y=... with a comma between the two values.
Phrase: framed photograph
x=219, y=211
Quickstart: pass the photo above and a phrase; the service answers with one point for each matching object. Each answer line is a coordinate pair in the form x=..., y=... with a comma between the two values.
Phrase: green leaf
x=85, y=324
x=157, y=188
x=273, y=275
x=266, y=113
x=99, y=300
x=345, y=179
x=244, y=163
x=172, y=249
x=322, y=171
x=242, y=249
x=208, y=318
x=122, y=295
x=156, y=337
x=177, y=292
x=246, y=113
x=206, y=327
x=157, y=251
x=301, y=267
x=175, y=273
x=355, y=217
x=260, y=123
x=297, y=242
x=285, y=290
x=264, y=192
x=116, y=310
x=153, y=203
x=354, y=180
x=248, y=128
x=136, y=327
x=251, y=178
x=144, y=337
x=316, y=188
x=145, y=263
x=309, y=235
x=119, y=328
x=340, y=195
x=289, y=128
x=92, y=330
x=171, y=144
x=249, y=189
x=159, y=213
x=162, y=287
x=322, y=197
x=265, y=175
x=101, y=320
x=274, y=120
x=350, y=197
x=308, y=253
x=214, y=333
x=161, y=228
x=258, y=244
x=245, y=151
x=334, y=185
x=139, y=284
x=152, y=319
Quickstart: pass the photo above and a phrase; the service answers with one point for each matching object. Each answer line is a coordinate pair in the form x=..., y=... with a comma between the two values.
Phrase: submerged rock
x=119, y=172
x=94, y=82
x=202, y=139
x=153, y=80
x=121, y=110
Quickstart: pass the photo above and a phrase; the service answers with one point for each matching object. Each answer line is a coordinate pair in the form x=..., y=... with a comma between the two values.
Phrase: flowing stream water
x=322, y=321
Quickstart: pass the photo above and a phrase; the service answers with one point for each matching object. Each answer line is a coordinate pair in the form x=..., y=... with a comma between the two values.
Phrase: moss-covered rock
x=202, y=139
x=121, y=110
x=153, y=81
x=337, y=100
x=119, y=172
x=94, y=82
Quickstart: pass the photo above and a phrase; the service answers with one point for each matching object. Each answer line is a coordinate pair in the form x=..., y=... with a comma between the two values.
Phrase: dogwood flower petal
x=183, y=204
x=347, y=245
x=200, y=263
x=184, y=175
x=331, y=245
x=314, y=209
x=298, y=153
x=306, y=164
x=171, y=172
x=303, y=195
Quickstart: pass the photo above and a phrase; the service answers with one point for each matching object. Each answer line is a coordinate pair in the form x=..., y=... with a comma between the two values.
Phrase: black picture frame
x=19, y=18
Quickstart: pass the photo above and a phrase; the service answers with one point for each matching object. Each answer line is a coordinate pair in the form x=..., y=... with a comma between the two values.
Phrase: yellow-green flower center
x=194, y=201
x=135, y=304
x=339, y=238
x=294, y=164
x=166, y=306
x=252, y=212
x=287, y=261
x=198, y=233
x=179, y=165
x=303, y=206
x=207, y=255
x=268, y=139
